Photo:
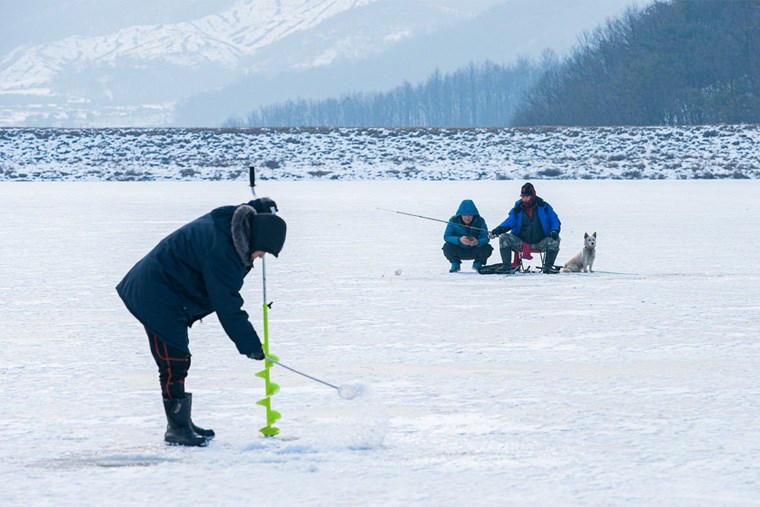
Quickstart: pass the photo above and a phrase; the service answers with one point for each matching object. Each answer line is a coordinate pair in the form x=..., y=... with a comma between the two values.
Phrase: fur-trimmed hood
x=252, y=231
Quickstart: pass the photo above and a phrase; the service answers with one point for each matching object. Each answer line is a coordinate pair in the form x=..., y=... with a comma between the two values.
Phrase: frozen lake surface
x=634, y=385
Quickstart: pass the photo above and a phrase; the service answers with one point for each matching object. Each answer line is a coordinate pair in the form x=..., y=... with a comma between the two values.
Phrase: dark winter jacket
x=457, y=228
x=546, y=215
x=199, y=269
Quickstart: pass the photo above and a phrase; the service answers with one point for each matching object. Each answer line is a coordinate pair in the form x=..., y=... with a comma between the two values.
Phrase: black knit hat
x=528, y=189
x=267, y=233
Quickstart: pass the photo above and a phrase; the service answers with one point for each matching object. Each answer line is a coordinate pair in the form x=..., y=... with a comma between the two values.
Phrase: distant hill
x=89, y=63
x=683, y=62
x=503, y=33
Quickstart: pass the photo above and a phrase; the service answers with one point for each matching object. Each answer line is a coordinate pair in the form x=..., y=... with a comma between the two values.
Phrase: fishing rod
x=433, y=219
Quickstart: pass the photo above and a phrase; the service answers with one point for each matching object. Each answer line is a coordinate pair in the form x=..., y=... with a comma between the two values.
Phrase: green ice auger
x=270, y=388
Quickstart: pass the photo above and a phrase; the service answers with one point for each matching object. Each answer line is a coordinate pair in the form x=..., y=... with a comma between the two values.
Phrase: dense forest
x=682, y=62
x=676, y=62
x=479, y=95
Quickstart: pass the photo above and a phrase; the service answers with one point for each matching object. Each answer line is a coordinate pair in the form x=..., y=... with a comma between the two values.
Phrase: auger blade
x=269, y=431
x=273, y=416
x=272, y=388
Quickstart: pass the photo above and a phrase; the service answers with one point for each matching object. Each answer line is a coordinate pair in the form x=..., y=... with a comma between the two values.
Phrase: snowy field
x=630, y=153
x=634, y=385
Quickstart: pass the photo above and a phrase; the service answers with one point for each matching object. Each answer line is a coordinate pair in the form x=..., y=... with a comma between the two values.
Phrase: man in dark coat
x=534, y=226
x=466, y=237
x=196, y=270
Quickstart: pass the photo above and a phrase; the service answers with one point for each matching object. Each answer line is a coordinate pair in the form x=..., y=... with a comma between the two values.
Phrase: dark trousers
x=455, y=253
x=173, y=365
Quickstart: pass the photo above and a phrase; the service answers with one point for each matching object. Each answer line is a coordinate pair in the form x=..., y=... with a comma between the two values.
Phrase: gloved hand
x=554, y=234
x=257, y=354
x=498, y=231
x=263, y=205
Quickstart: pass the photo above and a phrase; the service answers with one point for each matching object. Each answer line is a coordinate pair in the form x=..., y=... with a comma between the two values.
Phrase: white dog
x=583, y=260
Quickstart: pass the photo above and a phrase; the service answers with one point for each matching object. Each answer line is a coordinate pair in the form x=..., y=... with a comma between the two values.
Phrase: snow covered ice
x=633, y=385
x=349, y=391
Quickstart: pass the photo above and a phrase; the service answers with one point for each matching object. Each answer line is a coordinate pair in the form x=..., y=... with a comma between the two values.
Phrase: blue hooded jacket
x=546, y=215
x=456, y=227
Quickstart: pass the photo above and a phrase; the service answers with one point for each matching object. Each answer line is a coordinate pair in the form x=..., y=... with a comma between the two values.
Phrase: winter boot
x=506, y=256
x=551, y=256
x=455, y=267
x=179, y=430
x=477, y=265
x=209, y=434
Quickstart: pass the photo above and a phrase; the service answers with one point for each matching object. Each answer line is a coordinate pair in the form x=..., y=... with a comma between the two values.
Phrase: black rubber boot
x=209, y=434
x=179, y=430
x=506, y=256
x=548, y=267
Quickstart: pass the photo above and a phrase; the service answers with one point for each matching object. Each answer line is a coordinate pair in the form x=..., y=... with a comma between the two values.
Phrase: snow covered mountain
x=137, y=75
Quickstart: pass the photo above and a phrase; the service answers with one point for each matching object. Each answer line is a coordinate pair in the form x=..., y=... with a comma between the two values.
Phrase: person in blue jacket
x=194, y=271
x=533, y=225
x=466, y=237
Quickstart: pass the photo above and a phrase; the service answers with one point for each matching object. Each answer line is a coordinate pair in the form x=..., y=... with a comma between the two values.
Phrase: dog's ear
x=585, y=235
x=594, y=234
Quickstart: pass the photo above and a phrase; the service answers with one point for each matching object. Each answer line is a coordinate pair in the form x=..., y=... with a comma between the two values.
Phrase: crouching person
x=466, y=237
x=534, y=226
x=197, y=270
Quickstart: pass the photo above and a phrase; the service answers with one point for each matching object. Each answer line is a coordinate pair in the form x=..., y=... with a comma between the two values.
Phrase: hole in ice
x=349, y=392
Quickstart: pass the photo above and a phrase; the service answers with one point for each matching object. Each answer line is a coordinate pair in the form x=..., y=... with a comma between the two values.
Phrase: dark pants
x=173, y=365
x=455, y=253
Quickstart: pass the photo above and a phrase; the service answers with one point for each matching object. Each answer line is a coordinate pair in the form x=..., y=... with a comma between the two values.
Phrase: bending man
x=196, y=270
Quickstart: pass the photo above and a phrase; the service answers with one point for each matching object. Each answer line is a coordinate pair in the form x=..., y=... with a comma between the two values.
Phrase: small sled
x=496, y=269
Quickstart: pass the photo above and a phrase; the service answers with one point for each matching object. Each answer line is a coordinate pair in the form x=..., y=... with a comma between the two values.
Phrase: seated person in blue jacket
x=466, y=237
x=533, y=225
x=194, y=271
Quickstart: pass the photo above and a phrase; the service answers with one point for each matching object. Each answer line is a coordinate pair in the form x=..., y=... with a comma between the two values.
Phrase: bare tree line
x=478, y=95
x=683, y=62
